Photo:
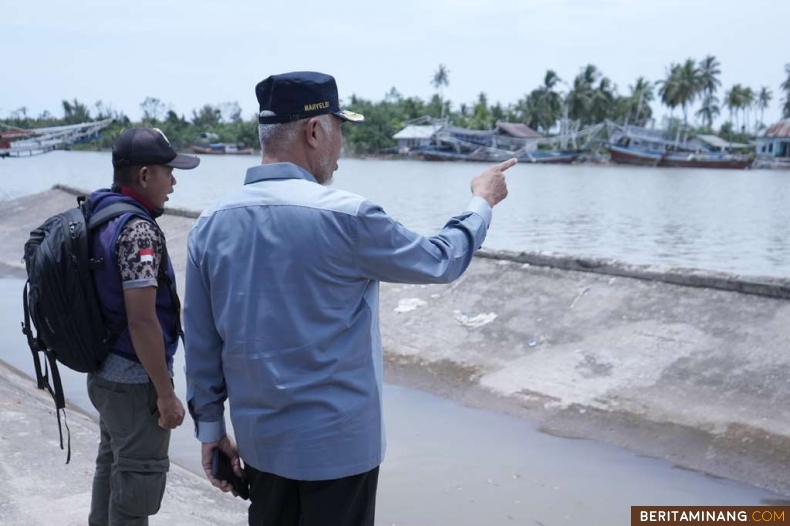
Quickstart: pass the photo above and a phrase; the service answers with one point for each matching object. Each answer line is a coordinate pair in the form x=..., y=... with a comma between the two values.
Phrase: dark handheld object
x=222, y=469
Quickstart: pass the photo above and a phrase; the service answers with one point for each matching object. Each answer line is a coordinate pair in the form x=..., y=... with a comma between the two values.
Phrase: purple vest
x=109, y=287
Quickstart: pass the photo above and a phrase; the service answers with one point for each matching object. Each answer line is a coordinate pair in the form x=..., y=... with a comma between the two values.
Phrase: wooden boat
x=489, y=155
x=705, y=160
x=677, y=159
x=222, y=148
x=550, y=157
x=634, y=156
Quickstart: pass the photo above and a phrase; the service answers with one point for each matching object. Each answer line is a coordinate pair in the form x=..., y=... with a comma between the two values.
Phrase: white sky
x=188, y=53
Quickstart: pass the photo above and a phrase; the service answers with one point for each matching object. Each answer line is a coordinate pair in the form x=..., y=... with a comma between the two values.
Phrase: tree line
x=693, y=87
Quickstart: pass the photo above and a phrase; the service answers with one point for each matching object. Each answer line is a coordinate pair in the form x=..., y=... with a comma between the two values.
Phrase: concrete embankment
x=686, y=365
x=36, y=490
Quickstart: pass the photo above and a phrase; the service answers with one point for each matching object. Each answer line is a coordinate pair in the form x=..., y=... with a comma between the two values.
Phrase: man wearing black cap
x=133, y=391
x=281, y=312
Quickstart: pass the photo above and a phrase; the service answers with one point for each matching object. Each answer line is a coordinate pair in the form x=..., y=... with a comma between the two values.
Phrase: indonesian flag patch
x=146, y=255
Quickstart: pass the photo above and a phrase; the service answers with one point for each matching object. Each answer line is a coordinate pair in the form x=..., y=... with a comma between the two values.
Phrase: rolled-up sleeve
x=385, y=250
x=206, y=392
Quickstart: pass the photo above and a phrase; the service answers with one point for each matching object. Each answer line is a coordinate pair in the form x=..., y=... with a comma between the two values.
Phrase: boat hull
x=212, y=151
x=622, y=155
x=550, y=158
x=705, y=161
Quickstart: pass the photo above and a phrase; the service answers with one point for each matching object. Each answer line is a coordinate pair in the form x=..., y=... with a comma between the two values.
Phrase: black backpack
x=60, y=299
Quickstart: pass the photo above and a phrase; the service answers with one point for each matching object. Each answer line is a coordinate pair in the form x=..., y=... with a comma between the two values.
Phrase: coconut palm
x=588, y=102
x=551, y=100
x=709, y=71
x=642, y=94
x=603, y=100
x=763, y=100
x=748, y=100
x=710, y=110
x=579, y=99
x=689, y=86
x=668, y=88
x=441, y=79
x=733, y=101
x=786, y=88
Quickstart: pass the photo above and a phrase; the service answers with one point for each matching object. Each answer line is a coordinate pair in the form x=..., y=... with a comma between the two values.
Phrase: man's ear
x=143, y=175
x=311, y=132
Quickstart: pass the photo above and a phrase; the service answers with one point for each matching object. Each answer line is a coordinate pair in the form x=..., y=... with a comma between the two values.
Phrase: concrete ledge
x=38, y=488
x=688, y=277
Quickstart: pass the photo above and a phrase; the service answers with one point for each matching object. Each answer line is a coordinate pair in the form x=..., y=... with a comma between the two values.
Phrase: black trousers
x=278, y=501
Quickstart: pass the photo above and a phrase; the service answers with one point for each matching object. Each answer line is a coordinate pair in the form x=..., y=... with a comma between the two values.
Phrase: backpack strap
x=165, y=277
x=102, y=217
x=111, y=212
x=32, y=342
x=55, y=388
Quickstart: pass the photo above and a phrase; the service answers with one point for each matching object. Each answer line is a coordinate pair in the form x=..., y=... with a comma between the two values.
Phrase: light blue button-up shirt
x=281, y=316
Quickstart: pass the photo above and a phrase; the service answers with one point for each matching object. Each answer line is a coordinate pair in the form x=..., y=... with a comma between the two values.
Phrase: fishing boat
x=222, y=148
x=705, y=160
x=435, y=140
x=634, y=156
x=638, y=146
x=22, y=142
x=551, y=157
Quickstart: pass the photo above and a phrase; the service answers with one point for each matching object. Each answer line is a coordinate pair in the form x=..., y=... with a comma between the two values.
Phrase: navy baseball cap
x=142, y=146
x=300, y=95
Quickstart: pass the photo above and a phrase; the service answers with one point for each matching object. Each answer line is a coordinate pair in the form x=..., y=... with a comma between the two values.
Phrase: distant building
x=775, y=142
x=415, y=136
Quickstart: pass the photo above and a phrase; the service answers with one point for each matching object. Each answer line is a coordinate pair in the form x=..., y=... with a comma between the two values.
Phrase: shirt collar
x=273, y=171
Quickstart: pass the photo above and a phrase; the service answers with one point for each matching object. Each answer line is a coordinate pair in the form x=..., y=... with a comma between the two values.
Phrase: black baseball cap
x=300, y=95
x=142, y=146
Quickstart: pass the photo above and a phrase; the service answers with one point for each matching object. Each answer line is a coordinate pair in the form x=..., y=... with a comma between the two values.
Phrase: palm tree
x=603, y=100
x=689, y=86
x=642, y=94
x=786, y=88
x=763, y=100
x=440, y=80
x=709, y=69
x=733, y=102
x=669, y=88
x=710, y=110
x=587, y=102
x=748, y=100
x=545, y=103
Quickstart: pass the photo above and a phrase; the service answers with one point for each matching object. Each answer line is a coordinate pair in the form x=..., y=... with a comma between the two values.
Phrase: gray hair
x=281, y=135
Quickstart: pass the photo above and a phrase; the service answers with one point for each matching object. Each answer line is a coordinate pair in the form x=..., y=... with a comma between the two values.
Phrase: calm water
x=735, y=221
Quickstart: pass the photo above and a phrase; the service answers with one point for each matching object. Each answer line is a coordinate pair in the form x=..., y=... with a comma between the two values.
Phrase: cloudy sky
x=188, y=53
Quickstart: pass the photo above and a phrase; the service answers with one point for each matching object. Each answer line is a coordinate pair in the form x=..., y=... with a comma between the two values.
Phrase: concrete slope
x=37, y=490
x=694, y=374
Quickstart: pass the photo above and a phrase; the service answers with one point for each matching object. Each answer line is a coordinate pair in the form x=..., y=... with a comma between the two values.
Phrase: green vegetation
x=589, y=98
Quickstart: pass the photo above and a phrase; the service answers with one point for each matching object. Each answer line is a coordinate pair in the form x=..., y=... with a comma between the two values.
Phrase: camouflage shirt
x=138, y=252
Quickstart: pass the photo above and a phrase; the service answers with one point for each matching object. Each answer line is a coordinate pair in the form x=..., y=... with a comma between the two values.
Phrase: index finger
x=507, y=164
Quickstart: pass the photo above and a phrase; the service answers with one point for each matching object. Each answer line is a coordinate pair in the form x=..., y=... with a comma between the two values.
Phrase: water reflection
x=735, y=221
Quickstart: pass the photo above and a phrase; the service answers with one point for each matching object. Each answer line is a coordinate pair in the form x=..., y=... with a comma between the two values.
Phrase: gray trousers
x=132, y=464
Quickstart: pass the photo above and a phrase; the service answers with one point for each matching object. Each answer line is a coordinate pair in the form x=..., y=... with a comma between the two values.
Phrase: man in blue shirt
x=282, y=312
